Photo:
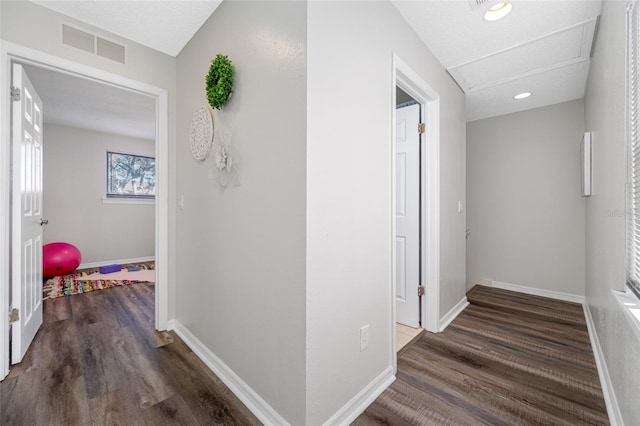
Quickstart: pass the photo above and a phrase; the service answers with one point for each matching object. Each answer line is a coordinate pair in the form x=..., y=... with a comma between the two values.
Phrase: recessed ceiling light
x=498, y=11
x=522, y=95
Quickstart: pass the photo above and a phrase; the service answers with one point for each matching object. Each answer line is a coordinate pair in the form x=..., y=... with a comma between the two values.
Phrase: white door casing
x=407, y=208
x=13, y=52
x=26, y=264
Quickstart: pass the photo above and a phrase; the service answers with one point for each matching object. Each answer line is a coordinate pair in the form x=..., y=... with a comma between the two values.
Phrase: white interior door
x=26, y=264
x=407, y=215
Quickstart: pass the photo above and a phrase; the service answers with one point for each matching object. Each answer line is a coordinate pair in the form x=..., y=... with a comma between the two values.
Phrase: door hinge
x=14, y=315
x=420, y=290
x=15, y=93
x=421, y=128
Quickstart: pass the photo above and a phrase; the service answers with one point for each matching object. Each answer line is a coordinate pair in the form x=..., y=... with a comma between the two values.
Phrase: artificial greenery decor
x=220, y=81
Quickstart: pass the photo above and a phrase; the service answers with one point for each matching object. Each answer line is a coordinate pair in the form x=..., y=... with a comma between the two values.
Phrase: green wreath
x=220, y=81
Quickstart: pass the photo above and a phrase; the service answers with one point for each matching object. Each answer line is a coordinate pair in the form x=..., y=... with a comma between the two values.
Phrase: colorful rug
x=143, y=275
x=76, y=283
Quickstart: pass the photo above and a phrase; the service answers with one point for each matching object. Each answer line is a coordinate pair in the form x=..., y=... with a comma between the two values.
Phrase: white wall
x=349, y=198
x=43, y=33
x=605, y=116
x=74, y=186
x=241, y=252
x=525, y=211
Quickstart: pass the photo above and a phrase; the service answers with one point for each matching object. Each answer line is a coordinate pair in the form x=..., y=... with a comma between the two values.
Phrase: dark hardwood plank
x=57, y=310
x=208, y=399
x=115, y=408
x=509, y=358
x=171, y=411
x=97, y=360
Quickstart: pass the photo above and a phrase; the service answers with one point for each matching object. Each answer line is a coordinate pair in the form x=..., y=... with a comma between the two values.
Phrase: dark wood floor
x=98, y=361
x=508, y=359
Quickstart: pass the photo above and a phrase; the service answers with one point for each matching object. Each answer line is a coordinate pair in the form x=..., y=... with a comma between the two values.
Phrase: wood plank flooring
x=97, y=360
x=508, y=359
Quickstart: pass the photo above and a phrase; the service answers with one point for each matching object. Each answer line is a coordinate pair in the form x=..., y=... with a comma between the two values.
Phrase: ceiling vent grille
x=475, y=4
x=77, y=38
x=92, y=43
x=110, y=50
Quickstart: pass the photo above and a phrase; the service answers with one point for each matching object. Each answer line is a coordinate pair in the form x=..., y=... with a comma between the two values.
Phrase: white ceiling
x=542, y=47
x=73, y=101
x=166, y=26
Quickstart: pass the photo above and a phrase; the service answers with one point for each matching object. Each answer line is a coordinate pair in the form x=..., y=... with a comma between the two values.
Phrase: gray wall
x=605, y=116
x=241, y=252
x=525, y=211
x=349, y=195
x=74, y=186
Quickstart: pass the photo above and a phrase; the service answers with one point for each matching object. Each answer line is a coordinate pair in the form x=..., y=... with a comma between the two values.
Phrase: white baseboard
x=452, y=314
x=258, y=406
x=613, y=410
x=567, y=297
x=356, y=406
x=116, y=262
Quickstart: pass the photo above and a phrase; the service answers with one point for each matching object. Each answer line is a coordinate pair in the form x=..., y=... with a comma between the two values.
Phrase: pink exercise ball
x=59, y=259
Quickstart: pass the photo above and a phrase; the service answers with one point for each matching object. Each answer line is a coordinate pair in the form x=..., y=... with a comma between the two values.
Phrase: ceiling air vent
x=477, y=3
x=77, y=38
x=92, y=43
x=110, y=50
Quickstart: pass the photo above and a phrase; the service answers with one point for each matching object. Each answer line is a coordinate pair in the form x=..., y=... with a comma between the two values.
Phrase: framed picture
x=585, y=160
x=130, y=176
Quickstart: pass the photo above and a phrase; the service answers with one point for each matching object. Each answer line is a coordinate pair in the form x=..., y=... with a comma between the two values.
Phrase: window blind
x=633, y=123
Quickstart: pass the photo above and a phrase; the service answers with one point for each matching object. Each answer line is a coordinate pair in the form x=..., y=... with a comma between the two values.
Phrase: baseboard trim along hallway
x=258, y=406
x=356, y=406
x=567, y=297
x=452, y=314
x=613, y=410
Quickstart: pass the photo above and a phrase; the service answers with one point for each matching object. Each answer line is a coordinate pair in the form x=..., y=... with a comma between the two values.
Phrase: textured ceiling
x=166, y=26
x=77, y=102
x=542, y=47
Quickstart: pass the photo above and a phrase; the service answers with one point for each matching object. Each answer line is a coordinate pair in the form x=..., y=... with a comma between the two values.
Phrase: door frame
x=9, y=53
x=408, y=80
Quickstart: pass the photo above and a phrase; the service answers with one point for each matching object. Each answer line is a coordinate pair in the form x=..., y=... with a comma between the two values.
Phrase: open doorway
x=100, y=202
x=13, y=54
x=416, y=204
x=409, y=129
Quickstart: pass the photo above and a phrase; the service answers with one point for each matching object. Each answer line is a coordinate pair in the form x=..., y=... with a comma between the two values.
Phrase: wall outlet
x=364, y=337
x=181, y=202
x=460, y=206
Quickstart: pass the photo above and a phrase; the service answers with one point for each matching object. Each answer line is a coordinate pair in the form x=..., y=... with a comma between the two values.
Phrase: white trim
x=629, y=302
x=5, y=205
x=123, y=200
x=10, y=51
x=356, y=405
x=116, y=262
x=567, y=297
x=613, y=410
x=162, y=210
x=411, y=82
x=453, y=313
x=258, y=406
